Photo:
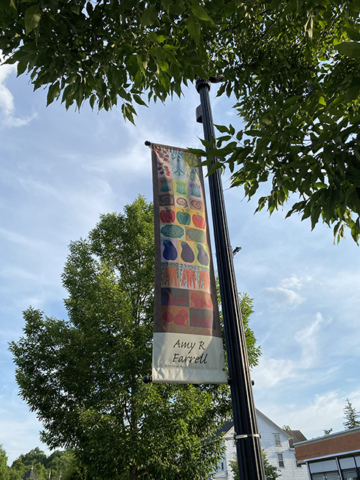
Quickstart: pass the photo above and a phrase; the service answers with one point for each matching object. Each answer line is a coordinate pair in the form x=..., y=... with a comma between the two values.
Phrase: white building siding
x=267, y=430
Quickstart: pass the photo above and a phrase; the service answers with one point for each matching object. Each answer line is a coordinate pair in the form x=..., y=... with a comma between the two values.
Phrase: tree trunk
x=133, y=473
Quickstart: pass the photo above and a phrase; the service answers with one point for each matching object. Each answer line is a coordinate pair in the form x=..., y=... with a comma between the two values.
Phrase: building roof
x=296, y=436
x=329, y=446
x=30, y=474
x=228, y=426
x=225, y=428
x=270, y=422
x=328, y=437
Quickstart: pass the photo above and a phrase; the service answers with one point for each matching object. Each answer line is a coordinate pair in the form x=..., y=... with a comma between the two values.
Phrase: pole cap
x=200, y=83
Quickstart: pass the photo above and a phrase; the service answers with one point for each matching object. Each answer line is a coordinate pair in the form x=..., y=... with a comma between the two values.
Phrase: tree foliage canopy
x=3, y=464
x=352, y=418
x=271, y=472
x=292, y=67
x=246, y=307
x=58, y=465
x=83, y=376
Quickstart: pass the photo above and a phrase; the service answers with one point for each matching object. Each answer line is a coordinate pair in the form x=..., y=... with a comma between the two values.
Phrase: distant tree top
x=352, y=418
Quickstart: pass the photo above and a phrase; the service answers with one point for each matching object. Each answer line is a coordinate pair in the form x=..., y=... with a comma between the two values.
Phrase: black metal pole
x=245, y=424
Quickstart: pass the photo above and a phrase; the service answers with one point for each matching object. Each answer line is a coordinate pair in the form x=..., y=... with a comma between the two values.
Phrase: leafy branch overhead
x=103, y=51
x=292, y=67
x=294, y=70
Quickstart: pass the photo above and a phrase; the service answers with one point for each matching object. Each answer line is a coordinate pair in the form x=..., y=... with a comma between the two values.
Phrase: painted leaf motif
x=172, y=231
x=196, y=235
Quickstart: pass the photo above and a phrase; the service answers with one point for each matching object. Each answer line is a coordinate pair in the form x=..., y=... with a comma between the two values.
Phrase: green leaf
x=239, y=135
x=328, y=155
x=353, y=34
x=292, y=100
x=54, y=92
x=89, y=8
x=352, y=93
x=163, y=65
x=165, y=80
x=197, y=151
x=193, y=27
x=137, y=79
x=253, y=133
x=92, y=101
x=222, y=128
x=139, y=100
x=350, y=49
x=32, y=18
x=149, y=16
x=275, y=4
x=152, y=37
x=206, y=143
x=166, y=4
x=75, y=9
x=201, y=13
x=21, y=67
x=214, y=166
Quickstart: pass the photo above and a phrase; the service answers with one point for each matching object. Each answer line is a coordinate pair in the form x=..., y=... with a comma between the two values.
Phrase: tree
x=293, y=68
x=59, y=464
x=351, y=416
x=302, y=121
x=246, y=307
x=235, y=469
x=34, y=456
x=286, y=428
x=271, y=472
x=83, y=376
x=75, y=471
x=4, y=470
x=35, y=459
x=15, y=475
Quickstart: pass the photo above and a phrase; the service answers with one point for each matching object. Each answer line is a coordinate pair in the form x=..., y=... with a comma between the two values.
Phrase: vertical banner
x=187, y=345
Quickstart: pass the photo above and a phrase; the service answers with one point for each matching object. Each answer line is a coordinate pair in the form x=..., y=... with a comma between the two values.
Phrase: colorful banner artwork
x=188, y=345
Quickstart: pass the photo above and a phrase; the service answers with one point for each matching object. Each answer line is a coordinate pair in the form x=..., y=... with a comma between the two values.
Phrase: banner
x=188, y=345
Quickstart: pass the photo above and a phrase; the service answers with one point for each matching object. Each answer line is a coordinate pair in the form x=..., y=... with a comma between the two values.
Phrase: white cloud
x=284, y=293
x=272, y=371
x=295, y=282
x=323, y=412
x=7, y=100
x=284, y=296
x=307, y=339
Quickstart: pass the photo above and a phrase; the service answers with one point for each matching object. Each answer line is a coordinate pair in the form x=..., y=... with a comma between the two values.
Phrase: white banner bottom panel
x=186, y=358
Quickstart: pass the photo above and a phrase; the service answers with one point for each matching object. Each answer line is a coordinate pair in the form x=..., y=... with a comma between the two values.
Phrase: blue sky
x=60, y=170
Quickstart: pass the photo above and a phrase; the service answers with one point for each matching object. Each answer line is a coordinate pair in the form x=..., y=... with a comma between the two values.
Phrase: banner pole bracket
x=249, y=435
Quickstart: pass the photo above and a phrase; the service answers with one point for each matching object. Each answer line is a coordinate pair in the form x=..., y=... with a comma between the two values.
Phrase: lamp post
x=245, y=424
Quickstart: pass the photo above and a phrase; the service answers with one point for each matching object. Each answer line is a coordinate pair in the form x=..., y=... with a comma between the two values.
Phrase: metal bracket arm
x=239, y=437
